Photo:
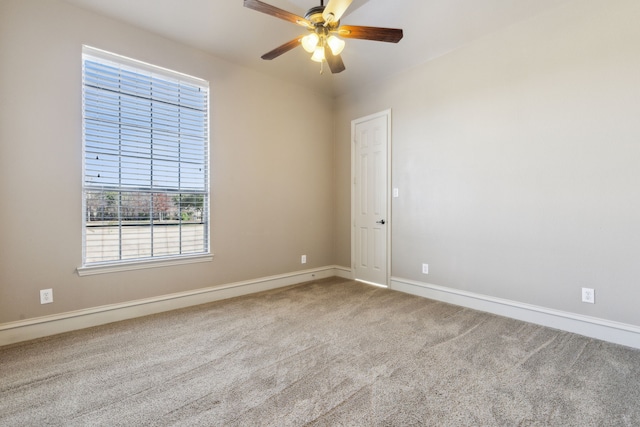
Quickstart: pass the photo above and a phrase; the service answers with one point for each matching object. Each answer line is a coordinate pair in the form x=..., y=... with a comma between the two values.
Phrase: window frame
x=151, y=261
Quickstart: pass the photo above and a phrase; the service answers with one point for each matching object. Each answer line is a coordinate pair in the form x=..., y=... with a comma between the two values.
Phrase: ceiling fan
x=324, y=31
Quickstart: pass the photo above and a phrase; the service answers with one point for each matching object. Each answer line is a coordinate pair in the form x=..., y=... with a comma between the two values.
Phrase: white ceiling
x=239, y=35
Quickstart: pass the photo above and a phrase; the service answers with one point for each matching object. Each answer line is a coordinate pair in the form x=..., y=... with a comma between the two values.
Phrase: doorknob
x=380, y=222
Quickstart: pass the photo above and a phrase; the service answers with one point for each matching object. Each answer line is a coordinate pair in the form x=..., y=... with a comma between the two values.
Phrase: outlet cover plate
x=303, y=259
x=588, y=295
x=46, y=296
x=425, y=268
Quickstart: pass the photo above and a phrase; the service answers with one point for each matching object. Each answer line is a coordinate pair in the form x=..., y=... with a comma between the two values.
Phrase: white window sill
x=138, y=265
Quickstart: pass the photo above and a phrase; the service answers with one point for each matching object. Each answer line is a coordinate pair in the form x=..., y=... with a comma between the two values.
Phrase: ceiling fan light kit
x=323, y=24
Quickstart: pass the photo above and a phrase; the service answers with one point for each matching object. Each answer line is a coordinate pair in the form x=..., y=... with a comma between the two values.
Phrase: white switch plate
x=425, y=268
x=46, y=296
x=303, y=259
x=588, y=295
x=395, y=192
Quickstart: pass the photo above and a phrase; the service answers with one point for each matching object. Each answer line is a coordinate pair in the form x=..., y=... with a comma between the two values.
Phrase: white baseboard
x=606, y=330
x=24, y=330
x=343, y=272
x=593, y=327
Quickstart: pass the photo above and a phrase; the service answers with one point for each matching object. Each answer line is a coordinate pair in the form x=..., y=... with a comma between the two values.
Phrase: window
x=146, y=163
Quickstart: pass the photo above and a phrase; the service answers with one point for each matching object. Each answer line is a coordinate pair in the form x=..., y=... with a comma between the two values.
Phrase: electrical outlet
x=46, y=296
x=303, y=259
x=425, y=268
x=395, y=192
x=588, y=295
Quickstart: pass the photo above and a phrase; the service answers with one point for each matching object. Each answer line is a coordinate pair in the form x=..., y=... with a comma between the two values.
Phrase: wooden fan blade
x=335, y=9
x=282, y=49
x=391, y=35
x=277, y=12
x=333, y=61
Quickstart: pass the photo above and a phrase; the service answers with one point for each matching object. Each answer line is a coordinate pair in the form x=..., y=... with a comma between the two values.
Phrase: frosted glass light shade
x=335, y=44
x=310, y=42
x=318, y=54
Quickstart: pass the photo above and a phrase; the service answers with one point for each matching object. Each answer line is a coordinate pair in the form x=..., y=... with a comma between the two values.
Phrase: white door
x=369, y=198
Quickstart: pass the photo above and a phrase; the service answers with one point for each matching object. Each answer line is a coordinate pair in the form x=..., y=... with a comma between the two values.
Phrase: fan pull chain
x=321, y=67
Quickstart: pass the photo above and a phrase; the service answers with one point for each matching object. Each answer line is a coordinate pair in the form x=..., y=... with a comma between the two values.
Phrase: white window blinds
x=146, y=161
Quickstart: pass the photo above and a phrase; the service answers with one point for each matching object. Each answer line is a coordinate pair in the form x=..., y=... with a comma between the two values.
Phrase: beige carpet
x=332, y=352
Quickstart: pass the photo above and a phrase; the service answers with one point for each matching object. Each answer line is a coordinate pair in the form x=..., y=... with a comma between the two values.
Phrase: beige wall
x=271, y=179
x=517, y=160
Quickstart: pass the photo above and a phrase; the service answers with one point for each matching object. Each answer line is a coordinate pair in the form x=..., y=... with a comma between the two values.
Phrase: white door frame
x=387, y=114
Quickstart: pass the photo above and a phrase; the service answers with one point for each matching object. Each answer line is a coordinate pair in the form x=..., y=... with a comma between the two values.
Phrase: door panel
x=363, y=261
x=370, y=198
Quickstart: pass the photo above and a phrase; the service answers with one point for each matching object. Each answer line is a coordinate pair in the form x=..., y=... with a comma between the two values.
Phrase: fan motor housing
x=314, y=15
